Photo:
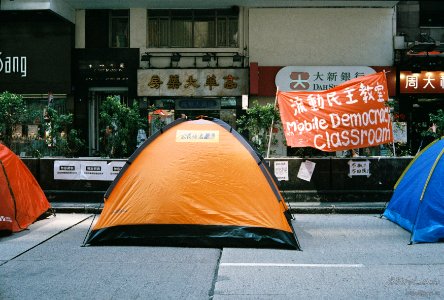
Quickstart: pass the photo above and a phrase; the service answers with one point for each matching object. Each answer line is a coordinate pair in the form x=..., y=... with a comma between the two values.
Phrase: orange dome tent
x=22, y=201
x=199, y=184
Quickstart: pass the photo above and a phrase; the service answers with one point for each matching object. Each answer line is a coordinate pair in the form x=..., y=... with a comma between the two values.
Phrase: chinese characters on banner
x=351, y=115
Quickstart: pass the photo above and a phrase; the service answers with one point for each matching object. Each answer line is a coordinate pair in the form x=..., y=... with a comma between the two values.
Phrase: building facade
x=197, y=58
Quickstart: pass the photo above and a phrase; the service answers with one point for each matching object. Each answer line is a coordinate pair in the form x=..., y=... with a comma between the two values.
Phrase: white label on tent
x=6, y=219
x=114, y=168
x=281, y=170
x=359, y=168
x=66, y=170
x=197, y=136
x=93, y=170
x=306, y=170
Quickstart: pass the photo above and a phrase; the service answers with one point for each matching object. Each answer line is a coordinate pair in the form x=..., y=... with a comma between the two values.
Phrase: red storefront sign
x=422, y=83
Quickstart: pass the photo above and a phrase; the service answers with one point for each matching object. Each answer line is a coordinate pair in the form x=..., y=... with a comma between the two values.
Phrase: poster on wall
x=349, y=116
x=306, y=170
x=400, y=132
x=281, y=170
x=317, y=78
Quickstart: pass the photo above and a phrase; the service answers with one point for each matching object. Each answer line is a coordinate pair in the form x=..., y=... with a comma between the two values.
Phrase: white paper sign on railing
x=281, y=170
x=67, y=170
x=114, y=168
x=93, y=170
x=86, y=170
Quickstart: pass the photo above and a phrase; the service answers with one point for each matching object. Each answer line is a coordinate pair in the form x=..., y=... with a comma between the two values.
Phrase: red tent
x=22, y=201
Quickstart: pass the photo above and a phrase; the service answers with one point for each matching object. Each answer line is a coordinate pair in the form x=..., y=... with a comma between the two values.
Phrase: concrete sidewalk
x=295, y=207
x=343, y=257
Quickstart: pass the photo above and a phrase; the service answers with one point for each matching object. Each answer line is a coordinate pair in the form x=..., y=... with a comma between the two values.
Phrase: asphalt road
x=344, y=257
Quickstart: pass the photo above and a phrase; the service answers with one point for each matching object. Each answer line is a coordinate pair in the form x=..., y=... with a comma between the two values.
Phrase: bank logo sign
x=313, y=78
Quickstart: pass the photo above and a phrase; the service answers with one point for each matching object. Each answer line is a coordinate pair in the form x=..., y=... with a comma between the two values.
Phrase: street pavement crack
x=216, y=274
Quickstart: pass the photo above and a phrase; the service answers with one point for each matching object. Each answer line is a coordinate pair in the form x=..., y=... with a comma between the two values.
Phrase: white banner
x=86, y=170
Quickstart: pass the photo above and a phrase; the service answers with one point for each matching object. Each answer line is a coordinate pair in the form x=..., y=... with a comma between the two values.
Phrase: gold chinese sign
x=192, y=82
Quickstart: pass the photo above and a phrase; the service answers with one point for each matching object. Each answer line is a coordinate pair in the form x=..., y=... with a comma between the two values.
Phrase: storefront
x=35, y=62
x=174, y=93
x=100, y=73
x=421, y=94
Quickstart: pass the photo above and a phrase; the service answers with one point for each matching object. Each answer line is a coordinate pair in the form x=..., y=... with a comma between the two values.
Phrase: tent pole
x=90, y=225
x=271, y=127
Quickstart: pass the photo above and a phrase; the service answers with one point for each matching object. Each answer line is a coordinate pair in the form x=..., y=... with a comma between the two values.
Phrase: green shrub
x=12, y=112
x=255, y=125
x=118, y=128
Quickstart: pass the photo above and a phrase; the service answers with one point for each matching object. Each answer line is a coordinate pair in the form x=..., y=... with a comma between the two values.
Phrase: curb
x=294, y=207
x=337, y=207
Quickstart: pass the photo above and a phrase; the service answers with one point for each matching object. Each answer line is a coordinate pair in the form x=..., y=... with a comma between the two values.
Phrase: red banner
x=351, y=115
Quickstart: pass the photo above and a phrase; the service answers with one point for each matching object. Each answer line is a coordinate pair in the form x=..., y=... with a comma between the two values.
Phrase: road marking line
x=292, y=265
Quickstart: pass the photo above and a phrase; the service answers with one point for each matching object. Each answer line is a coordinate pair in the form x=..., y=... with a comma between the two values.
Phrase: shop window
x=29, y=138
x=119, y=28
x=193, y=28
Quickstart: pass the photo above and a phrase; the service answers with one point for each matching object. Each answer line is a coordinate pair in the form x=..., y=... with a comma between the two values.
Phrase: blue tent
x=417, y=204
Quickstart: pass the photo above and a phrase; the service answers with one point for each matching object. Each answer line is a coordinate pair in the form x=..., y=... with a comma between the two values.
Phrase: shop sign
x=197, y=136
x=13, y=65
x=312, y=78
x=192, y=82
x=424, y=82
x=306, y=170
